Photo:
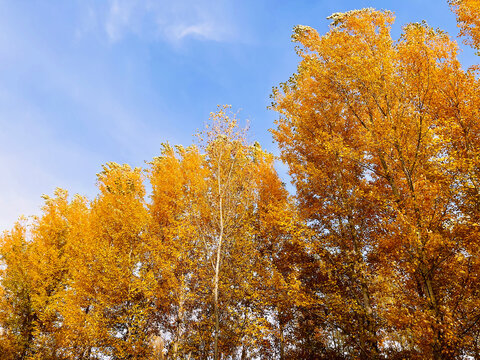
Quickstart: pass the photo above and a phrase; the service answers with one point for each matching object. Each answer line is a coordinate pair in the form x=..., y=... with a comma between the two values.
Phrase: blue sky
x=85, y=82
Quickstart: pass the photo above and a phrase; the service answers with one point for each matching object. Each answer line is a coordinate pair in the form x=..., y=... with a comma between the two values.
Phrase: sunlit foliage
x=205, y=255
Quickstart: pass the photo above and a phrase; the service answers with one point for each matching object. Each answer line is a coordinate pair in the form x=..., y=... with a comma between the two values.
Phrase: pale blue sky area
x=85, y=82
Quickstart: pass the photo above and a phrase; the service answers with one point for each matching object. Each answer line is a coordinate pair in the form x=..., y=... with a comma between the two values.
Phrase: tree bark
x=217, y=266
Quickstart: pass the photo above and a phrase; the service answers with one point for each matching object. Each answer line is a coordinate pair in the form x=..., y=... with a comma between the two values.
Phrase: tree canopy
x=376, y=255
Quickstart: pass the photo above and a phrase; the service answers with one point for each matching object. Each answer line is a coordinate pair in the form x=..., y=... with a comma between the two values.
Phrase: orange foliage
x=468, y=19
x=376, y=257
x=371, y=130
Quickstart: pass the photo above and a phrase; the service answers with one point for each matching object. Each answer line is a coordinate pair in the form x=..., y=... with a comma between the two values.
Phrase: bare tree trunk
x=217, y=266
x=215, y=294
x=157, y=344
x=282, y=342
x=181, y=302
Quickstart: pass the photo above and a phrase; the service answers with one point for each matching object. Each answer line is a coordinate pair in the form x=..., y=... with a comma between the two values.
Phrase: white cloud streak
x=50, y=86
x=34, y=154
x=169, y=20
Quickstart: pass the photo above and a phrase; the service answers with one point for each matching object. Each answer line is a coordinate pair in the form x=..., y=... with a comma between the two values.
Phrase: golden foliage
x=376, y=256
x=371, y=130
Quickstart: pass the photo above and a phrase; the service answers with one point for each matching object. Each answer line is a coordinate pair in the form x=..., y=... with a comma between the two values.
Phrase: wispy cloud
x=69, y=101
x=170, y=21
x=203, y=30
x=61, y=117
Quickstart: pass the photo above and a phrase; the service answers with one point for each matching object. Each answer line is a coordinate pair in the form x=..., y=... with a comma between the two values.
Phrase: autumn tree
x=175, y=250
x=50, y=269
x=468, y=19
x=230, y=205
x=107, y=306
x=366, y=129
x=35, y=276
x=280, y=237
x=203, y=271
x=17, y=315
x=209, y=204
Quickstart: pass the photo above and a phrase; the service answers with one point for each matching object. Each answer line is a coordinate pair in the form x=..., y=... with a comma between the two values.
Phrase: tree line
x=376, y=256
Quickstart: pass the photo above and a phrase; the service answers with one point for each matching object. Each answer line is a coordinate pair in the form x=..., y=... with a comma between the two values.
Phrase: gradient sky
x=85, y=82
